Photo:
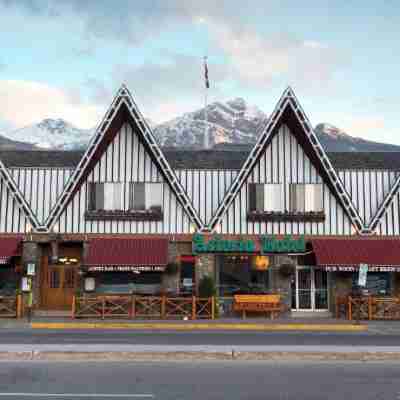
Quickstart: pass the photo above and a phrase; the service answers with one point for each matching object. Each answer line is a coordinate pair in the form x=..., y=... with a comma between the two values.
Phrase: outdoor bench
x=267, y=303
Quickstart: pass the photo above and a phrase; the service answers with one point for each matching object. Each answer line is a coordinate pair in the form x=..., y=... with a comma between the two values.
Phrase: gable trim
x=123, y=99
x=19, y=197
x=386, y=203
x=289, y=100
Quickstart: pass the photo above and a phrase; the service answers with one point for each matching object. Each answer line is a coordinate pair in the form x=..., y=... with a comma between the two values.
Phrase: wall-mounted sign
x=362, y=275
x=125, y=268
x=268, y=244
x=26, y=284
x=30, y=269
x=219, y=245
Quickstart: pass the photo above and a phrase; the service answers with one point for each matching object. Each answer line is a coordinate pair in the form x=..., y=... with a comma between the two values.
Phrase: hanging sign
x=30, y=269
x=268, y=244
x=362, y=275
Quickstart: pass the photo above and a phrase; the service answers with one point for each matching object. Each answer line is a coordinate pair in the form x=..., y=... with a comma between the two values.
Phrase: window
x=112, y=196
x=266, y=197
x=305, y=197
x=106, y=196
x=144, y=196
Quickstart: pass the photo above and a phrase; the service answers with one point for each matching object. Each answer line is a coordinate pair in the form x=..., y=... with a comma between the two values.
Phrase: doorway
x=310, y=289
x=59, y=281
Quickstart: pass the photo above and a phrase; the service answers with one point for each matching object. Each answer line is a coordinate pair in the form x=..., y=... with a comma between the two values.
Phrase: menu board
x=377, y=283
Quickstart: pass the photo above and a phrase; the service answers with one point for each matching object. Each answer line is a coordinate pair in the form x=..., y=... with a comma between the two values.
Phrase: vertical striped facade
x=284, y=161
x=125, y=160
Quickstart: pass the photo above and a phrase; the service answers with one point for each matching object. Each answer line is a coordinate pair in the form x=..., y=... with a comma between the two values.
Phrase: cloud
x=23, y=103
x=163, y=91
x=259, y=60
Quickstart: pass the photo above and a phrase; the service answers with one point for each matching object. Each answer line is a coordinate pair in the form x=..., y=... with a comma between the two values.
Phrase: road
x=27, y=336
x=199, y=380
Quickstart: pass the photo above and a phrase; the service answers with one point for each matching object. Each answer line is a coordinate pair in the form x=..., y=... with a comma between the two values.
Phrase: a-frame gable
x=390, y=208
x=15, y=208
x=369, y=190
x=123, y=110
x=289, y=112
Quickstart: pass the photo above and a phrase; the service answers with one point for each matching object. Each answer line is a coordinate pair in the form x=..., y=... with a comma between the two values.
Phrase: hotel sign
x=267, y=244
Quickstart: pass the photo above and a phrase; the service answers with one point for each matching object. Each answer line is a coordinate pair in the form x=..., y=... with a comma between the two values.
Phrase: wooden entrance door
x=58, y=285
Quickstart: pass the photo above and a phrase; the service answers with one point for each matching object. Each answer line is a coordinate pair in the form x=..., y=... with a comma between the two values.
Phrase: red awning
x=383, y=254
x=127, y=254
x=9, y=247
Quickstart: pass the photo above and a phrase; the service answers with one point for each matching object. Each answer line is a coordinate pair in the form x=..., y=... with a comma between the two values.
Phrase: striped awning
x=124, y=255
x=381, y=255
x=9, y=247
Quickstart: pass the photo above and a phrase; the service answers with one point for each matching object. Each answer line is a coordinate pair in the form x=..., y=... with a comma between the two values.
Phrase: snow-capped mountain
x=52, y=134
x=230, y=123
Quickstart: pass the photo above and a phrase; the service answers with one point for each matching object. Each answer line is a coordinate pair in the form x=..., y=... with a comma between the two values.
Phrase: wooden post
x=133, y=309
x=370, y=308
x=103, y=307
x=193, y=307
x=19, y=306
x=350, y=310
x=163, y=308
x=73, y=306
x=212, y=307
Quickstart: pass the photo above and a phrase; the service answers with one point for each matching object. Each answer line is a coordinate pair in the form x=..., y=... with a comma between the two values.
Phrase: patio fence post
x=370, y=308
x=133, y=307
x=73, y=306
x=103, y=307
x=163, y=304
x=350, y=310
x=212, y=307
x=193, y=307
x=19, y=306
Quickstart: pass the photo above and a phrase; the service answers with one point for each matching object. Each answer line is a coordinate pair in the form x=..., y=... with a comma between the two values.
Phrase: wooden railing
x=9, y=306
x=150, y=307
x=370, y=308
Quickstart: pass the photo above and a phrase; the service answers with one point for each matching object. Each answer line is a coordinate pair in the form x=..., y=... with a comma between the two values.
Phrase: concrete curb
x=204, y=326
x=205, y=356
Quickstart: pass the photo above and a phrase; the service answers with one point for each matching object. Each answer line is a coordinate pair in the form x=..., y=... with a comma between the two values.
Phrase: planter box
x=257, y=216
x=146, y=215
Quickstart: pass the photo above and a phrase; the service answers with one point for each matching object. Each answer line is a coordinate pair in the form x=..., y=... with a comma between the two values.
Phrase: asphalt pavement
x=199, y=380
x=194, y=338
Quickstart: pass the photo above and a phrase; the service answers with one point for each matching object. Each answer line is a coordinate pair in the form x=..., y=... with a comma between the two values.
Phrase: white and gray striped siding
x=285, y=162
x=368, y=189
x=41, y=187
x=125, y=160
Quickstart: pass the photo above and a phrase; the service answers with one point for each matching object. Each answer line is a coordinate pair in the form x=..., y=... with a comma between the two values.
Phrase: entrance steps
x=311, y=314
x=52, y=313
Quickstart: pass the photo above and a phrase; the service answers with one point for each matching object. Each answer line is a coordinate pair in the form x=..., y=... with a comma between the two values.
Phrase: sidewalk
x=254, y=324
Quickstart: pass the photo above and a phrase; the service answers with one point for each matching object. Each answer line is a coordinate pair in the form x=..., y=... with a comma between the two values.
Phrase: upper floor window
x=131, y=196
x=266, y=197
x=305, y=197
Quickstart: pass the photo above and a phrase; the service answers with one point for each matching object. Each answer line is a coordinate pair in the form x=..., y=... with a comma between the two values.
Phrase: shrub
x=207, y=287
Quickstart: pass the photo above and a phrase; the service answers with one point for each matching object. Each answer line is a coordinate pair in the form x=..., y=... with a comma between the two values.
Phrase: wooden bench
x=266, y=303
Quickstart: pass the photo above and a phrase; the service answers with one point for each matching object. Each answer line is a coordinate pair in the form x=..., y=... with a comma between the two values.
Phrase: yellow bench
x=265, y=303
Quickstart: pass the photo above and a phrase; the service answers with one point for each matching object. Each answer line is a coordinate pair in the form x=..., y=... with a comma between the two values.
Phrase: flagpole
x=206, y=141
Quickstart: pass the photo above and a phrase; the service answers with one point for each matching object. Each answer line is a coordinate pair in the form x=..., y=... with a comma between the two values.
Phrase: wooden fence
x=368, y=308
x=142, y=307
x=10, y=306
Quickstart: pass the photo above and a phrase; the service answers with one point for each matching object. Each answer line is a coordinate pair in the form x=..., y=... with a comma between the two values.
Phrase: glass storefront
x=242, y=274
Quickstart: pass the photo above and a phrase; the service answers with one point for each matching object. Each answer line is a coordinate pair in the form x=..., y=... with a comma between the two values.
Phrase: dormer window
x=130, y=200
x=266, y=197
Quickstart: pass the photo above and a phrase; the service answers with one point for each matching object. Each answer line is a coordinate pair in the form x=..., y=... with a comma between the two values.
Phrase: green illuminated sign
x=268, y=244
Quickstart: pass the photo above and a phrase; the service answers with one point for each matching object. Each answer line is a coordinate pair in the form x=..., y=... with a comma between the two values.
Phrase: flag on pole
x=207, y=82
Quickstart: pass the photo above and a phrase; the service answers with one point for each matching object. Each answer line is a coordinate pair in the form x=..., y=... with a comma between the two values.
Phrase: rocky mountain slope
x=229, y=124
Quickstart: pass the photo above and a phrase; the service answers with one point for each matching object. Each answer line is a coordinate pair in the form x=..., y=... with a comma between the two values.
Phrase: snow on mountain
x=52, y=134
x=231, y=123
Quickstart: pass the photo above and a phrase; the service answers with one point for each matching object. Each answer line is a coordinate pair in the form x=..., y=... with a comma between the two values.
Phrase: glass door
x=310, y=290
x=304, y=289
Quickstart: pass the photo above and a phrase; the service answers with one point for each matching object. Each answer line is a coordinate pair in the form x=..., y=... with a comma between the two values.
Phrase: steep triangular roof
x=289, y=111
x=20, y=199
x=387, y=202
x=122, y=109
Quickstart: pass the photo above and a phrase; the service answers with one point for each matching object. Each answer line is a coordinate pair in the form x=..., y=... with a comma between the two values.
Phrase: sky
x=66, y=59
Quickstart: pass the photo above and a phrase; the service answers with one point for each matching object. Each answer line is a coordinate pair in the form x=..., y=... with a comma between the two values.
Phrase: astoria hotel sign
x=267, y=244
